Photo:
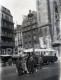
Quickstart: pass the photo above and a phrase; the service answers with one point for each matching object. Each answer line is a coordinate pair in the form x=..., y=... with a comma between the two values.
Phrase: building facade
x=6, y=31
x=43, y=23
x=48, y=22
x=18, y=38
x=30, y=31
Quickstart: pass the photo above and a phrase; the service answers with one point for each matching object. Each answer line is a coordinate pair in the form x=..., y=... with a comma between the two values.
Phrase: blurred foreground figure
x=19, y=66
x=24, y=65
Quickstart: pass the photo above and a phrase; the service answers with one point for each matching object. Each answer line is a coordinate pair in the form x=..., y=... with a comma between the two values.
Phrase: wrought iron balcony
x=7, y=35
x=7, y=43
x=8, y=27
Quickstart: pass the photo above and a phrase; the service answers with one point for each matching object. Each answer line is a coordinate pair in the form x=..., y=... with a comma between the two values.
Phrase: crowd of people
x=28, y=64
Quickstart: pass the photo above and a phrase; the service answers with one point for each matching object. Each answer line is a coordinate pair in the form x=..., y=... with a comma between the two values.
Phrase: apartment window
x=57, y=17
x=25, y=24
x=34, y=26
x=10, y=18
x=26, y=46
x=29, y=36
x=7, y=17
x=2, y=15
x=38, y=8
x=26, y=43
x=28, y=23
x=29, y=42
x=35, y=41
x=28, y=28
x=4, y=24
x=34, y=20
x=34, y=30
x=56, y=7
x=34, y=37
x=18, y=34
x=11, y=26
x=41, y=32
x=45, y=30
x=18, y=38
x=38, y=2
x=25, y=37
x=39, y=16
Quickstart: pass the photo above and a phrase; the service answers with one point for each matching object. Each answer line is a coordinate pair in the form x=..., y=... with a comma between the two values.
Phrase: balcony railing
x=7, y=35
x=7, y=18
x=8, y=27
x=6, y=10
x=7, y=43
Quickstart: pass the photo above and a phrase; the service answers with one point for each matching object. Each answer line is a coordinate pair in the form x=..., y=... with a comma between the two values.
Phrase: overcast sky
x=19, y=8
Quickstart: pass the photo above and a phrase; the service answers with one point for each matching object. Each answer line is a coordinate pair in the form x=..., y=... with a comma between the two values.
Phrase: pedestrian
x=31, y=64
x=10, y=61
x=27, y=62
x=40, y=62
x=19, y=66
x=24, y=65
x=35, y=63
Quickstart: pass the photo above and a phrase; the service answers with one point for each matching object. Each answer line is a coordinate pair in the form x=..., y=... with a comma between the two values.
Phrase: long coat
x=31, y=64
x=19, y=67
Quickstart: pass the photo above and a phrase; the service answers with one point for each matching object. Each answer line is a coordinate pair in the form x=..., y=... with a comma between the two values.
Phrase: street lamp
x=30, y=18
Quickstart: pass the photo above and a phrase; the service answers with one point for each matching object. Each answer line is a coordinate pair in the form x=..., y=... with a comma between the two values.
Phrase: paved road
x=48, y=72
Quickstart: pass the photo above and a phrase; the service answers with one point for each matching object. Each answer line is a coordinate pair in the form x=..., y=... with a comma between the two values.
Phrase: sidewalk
x=47, y=72
x=9, y=67
x=14, y=66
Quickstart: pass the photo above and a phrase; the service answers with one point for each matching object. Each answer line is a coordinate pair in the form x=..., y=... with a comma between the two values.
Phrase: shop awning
x=28, y=50
x=15, y=56
x=5, y=55
x=39, y=50
x=56, y=43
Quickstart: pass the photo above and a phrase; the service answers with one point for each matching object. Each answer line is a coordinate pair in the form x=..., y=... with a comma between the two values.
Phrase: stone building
x=43, y=19
x=30, y=31
x=18, y=38
x=6, y=31
x=48, y=22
